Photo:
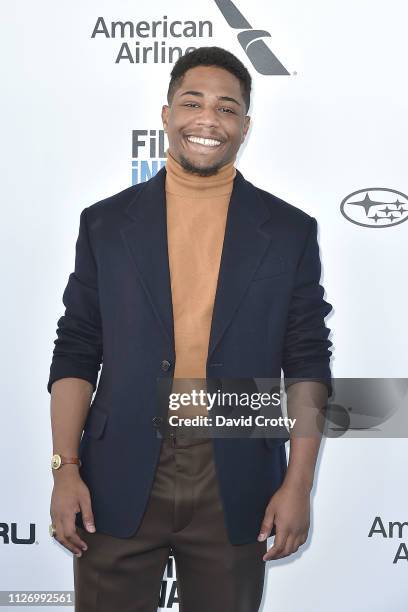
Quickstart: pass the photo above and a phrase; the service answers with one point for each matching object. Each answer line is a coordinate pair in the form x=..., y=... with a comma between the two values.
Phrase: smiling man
x=192, y=276
x=206, y=125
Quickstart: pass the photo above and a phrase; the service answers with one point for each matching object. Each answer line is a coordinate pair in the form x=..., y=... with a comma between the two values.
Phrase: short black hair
x=211, y=56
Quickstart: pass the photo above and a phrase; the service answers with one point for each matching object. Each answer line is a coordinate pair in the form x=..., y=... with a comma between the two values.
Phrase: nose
x=208, y=117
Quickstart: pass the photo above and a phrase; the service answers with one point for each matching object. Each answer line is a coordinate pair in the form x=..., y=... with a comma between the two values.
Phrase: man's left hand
x=289, y=511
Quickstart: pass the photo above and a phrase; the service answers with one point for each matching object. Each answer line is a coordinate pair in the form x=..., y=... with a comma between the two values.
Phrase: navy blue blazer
x=268, y=316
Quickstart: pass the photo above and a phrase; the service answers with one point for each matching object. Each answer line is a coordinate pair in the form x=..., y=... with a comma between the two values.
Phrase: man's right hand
x=69, y=496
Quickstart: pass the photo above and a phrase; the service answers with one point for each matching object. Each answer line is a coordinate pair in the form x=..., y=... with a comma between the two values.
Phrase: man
x=195, y=274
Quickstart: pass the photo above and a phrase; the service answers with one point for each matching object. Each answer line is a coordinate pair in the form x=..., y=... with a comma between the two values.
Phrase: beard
x=190, y=167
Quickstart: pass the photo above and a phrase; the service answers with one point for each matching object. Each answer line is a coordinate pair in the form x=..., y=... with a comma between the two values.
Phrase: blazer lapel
x=146, y=240
x=243, y=248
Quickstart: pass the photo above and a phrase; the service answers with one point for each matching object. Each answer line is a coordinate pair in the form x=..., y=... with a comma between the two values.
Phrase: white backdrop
x=336, y=124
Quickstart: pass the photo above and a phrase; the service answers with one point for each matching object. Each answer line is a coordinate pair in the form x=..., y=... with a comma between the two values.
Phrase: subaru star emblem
x=375, y=207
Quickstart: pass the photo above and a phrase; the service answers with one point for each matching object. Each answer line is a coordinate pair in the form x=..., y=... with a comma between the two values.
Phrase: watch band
x=58, y=461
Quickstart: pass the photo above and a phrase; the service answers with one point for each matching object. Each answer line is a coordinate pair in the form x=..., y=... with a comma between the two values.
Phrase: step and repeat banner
x=84, y=87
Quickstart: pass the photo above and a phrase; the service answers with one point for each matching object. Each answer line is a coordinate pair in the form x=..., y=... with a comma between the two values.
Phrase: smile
x=206, y=142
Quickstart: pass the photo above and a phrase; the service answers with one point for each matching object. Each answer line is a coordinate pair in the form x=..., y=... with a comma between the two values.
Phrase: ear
x=247, y=121
x=164, y=116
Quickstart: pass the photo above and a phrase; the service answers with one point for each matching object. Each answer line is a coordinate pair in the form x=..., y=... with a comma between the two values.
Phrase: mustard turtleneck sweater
x=196, y=210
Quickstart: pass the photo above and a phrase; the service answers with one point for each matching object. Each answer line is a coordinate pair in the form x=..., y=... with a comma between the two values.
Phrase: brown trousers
x=184, y=517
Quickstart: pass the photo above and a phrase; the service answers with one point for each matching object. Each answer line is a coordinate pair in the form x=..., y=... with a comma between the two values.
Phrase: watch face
x=56, y=462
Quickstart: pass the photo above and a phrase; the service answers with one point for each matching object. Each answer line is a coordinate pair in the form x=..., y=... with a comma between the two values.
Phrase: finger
x=60, y=536
x=87, y=514
x=289, y=548
x=278, y=546
x=70, y=535
x=57, y=522
x=266, y=526
x=298, y=542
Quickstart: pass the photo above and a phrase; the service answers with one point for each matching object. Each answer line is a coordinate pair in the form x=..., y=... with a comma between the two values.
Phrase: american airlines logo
x=259, y=54
x=375, y=207
x=151, y=41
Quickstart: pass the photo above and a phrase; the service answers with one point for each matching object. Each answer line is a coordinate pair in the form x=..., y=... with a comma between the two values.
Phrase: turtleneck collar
x=186, y=184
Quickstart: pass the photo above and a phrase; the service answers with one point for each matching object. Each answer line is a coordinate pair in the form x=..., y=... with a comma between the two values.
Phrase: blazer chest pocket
x=96, y=422
x=271, y=267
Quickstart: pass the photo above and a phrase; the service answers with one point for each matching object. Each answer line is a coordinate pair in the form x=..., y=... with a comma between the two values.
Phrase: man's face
x=207, y=105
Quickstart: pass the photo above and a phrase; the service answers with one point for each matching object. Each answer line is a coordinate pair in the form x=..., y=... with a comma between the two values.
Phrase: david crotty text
x=222, y=421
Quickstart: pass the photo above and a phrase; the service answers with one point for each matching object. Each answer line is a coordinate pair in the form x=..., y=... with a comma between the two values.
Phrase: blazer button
x=157, y=421
x=165, y=365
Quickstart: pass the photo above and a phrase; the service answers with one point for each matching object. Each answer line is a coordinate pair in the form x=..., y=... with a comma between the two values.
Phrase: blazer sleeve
x=78, y=346
x=306, y=354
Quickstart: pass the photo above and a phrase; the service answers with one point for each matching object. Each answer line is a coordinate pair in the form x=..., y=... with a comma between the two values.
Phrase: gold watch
x=58, y=461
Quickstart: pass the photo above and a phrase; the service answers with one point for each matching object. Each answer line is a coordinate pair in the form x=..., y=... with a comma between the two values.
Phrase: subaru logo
x=375, y=207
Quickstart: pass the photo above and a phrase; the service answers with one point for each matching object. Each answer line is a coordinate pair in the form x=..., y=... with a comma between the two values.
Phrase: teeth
x=208, y=142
